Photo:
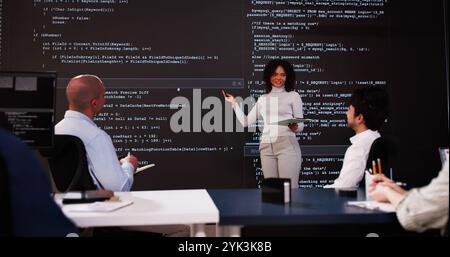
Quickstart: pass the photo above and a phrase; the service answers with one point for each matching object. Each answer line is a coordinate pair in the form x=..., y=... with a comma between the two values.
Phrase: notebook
x=107, y=206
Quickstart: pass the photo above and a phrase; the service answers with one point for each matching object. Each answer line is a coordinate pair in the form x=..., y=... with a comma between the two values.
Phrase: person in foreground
x=418, y=209
x=366, y=113
x=28, y=209
x=86, y=97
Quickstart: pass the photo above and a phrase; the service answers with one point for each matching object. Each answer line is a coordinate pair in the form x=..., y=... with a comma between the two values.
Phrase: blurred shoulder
x=294, y=94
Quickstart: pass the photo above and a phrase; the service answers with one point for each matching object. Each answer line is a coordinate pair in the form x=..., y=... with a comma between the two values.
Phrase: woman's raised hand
x=229, y=97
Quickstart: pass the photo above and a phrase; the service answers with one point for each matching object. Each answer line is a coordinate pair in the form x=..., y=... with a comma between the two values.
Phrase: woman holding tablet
x=279, y=149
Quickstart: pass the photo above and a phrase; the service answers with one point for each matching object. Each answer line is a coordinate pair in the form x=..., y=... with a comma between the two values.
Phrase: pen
x=374, y=167
x=379, y=166
x=144, y=168
x=129, y=154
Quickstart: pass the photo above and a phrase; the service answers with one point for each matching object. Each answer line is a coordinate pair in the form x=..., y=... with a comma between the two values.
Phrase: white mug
x=367, y=180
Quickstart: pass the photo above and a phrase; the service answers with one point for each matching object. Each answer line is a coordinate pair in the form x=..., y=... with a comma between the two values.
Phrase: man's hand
x=382, y=180
x=379, y=193
x=383, y=189
x=131, y=159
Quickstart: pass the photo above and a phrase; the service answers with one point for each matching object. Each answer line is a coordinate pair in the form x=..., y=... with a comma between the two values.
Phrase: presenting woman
x=279, y=149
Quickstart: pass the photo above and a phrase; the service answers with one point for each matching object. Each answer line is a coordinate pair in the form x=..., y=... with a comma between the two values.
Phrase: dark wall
x=419, y=90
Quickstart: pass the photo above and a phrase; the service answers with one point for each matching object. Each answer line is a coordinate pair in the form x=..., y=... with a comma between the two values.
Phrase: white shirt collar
x=278, y=89
x=78, y=115
x=363, y=136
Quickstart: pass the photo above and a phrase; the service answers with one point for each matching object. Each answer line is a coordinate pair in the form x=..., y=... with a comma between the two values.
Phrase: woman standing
x=279, y=149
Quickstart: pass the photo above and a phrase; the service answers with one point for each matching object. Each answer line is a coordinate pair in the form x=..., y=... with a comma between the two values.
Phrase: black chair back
x=384, y=148
x=5, y=201
x=68, y=164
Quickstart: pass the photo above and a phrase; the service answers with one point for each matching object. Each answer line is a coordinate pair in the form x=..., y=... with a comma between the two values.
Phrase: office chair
x=384, y=148
x=68, y=164
x=5, y=200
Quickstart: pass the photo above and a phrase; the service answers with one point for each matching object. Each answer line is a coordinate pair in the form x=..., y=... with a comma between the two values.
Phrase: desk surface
x=308, y=206
x=168, y=207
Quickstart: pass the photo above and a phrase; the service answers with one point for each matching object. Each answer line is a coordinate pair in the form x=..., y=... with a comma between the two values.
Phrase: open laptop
x=443, y=153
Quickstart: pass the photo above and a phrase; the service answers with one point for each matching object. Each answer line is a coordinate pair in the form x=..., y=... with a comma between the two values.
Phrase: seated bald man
x=86, y=97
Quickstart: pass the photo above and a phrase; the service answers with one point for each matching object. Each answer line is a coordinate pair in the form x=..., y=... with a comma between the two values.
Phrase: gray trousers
x=281, y=159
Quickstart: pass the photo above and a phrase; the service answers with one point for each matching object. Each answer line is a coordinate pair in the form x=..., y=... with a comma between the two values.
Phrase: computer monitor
x=27, y=106
x=443, y=153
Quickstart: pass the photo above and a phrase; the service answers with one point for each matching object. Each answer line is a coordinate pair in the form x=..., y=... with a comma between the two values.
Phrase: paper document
x=373, y=205
x=73, y=195
x=107, y=206
x=144, y=168
x=289, y=121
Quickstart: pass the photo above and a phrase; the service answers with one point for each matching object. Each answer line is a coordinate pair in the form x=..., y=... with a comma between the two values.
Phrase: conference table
x=165, y=207
x=230, y=210
x=244, y=207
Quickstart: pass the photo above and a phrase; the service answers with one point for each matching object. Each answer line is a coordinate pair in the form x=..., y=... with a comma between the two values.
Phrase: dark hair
x=373, y=103
x=288, y=69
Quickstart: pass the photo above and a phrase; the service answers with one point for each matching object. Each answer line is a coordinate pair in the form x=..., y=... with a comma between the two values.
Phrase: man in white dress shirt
x=86, y=97
x=366, y=113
